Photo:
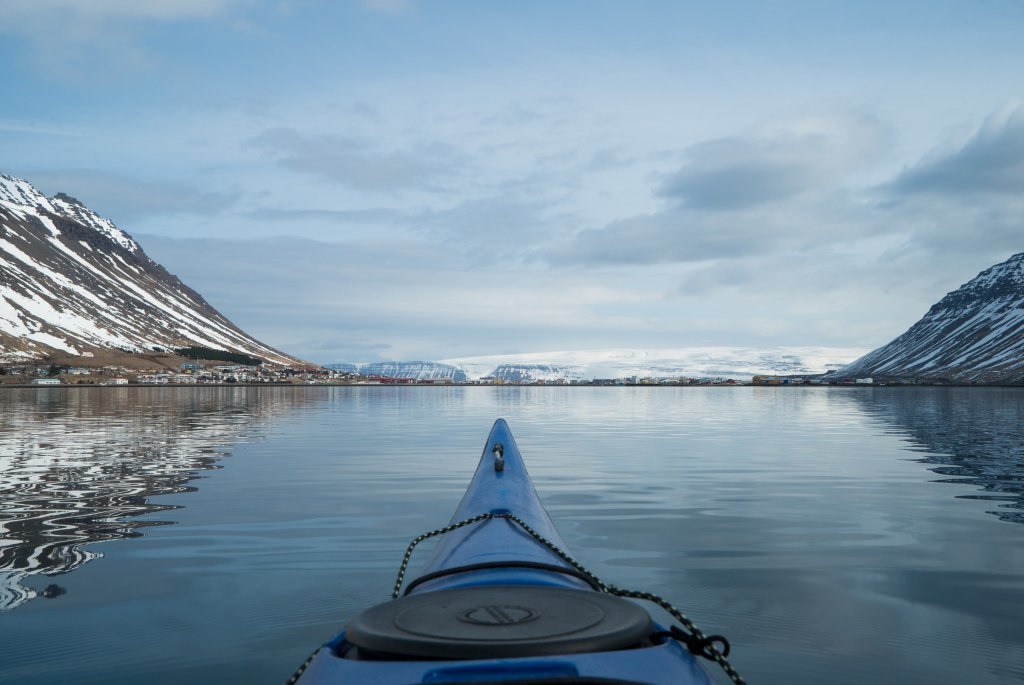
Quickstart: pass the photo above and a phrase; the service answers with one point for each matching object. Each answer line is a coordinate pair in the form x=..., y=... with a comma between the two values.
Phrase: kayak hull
x=665, y=664
x=494, y=603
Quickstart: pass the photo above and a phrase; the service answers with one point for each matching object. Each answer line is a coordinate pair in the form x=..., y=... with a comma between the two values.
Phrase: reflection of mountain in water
x=974, y=435
x=74, y=463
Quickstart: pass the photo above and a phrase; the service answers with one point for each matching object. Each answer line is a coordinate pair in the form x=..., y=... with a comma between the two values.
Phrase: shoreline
x=736, y=384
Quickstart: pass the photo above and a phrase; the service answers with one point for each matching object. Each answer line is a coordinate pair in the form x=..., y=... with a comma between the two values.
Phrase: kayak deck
x=495, y=603
x=498, y=551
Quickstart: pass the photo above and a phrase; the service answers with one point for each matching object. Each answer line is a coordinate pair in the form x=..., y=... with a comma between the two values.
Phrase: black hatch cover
x=487, y=622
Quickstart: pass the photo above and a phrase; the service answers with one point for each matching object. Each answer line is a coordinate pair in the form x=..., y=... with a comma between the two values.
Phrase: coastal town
x=198, y=373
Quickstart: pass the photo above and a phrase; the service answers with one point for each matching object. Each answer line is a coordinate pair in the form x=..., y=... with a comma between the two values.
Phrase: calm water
x=217, y=535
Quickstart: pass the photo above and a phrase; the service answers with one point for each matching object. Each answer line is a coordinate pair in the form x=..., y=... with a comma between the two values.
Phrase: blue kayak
x=500, y=601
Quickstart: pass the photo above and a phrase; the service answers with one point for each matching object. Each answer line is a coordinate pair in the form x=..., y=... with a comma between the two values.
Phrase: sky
x=363, y=180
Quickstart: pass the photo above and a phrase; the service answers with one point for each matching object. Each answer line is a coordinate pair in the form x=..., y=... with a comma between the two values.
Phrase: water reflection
x=972, y=435
x=76, y=465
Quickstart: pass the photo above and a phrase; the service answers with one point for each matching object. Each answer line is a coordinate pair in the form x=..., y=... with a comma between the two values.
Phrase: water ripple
x=80, y=466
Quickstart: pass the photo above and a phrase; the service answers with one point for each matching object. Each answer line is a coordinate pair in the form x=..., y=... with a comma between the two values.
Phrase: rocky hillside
x=975, y=334
x=73, y=284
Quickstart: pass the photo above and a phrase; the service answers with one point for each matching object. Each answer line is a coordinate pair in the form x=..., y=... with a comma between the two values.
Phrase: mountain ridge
x=974, y=334
x=739, y=363
x=72, y=283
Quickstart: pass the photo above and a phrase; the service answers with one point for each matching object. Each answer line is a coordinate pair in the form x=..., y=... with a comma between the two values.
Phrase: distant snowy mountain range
x=73, y=283
x=740, y=363
x=975, y=334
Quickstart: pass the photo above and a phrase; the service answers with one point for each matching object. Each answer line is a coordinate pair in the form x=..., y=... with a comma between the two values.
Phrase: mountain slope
x=975, y=334
x=71, y=282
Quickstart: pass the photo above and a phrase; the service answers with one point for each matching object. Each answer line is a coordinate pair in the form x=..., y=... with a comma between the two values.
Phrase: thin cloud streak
x=360, y=164
x=353, y=216
x=107, y=9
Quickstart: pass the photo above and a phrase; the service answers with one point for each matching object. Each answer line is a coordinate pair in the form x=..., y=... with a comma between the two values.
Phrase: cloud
x=748, y=171
x=86, y=40
x=605, y=159
x=990, y=162
x=684, y=235
x=781, y=188
x=377, y=215
x=736, y=174
x=664, y=237
x=963, y=202
x=35, y=128
x=498, y=227
x=126, y=200
x=359, y=164
x=116, y=9
x=388, y=6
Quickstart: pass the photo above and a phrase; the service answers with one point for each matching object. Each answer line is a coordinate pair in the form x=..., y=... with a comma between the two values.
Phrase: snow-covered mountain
x=419, y=370
x=416, y=370
x=740, y=363
x=73, y=283
x=536, y=373
x=975, y=334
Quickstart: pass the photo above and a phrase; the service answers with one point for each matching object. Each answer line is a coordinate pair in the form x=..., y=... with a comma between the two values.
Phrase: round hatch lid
x=487, y=622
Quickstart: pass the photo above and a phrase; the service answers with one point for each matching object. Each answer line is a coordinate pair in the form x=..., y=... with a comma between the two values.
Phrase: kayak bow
x=500, y=601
